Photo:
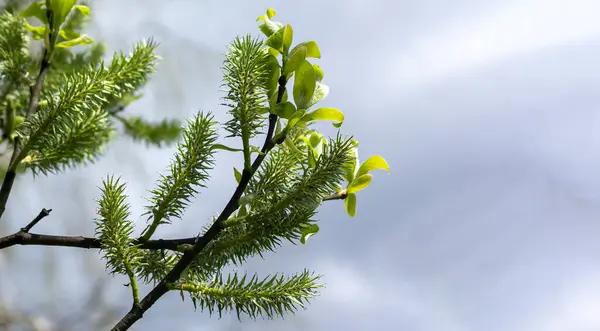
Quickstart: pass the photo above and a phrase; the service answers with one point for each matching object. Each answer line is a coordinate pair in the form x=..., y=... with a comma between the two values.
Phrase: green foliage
x=114, y=229
x=324, y=114
x=358, y=177
x=80, y=97
x=359, y=183
x=188, y=170
x=350, y=204
x=304, y=84
x=73, y=126
x=245, y=79
x=70, y=119
x=285, y=195
x=272, y=296
x=158, y=134
x=269, y=27
x=154, y=265
x=14, y=45
x=372, y=163
x=53, y=14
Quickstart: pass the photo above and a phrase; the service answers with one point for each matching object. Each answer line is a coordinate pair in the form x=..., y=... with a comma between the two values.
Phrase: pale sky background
x=487, y=111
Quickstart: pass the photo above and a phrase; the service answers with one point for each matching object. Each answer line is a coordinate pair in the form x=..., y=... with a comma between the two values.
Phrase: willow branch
x=11, y=173
x=25, y=238
x=35, y=239
x=137, y=311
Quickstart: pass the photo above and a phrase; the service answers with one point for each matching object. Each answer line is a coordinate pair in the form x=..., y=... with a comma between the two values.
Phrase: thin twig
x=336, y=196
x=35, y=239
x=137, y=311
x=11, y=173
x=45, y=212
x=25, y=238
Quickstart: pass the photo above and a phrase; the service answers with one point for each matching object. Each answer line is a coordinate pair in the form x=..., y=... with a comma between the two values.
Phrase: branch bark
x=34, y=239
x=34, y=100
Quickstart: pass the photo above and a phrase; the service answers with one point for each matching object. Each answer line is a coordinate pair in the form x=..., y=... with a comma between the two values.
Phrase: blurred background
x=487, y=112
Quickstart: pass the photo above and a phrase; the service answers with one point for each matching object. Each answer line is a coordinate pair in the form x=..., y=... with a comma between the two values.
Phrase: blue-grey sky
x=487, y=111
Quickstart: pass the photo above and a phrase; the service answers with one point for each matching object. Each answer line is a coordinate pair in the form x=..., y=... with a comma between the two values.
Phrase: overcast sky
x=488, y=113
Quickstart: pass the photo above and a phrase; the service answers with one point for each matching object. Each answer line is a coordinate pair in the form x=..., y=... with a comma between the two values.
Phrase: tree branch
x=11, y=173
x=34, y=239
x=137, y=311
x=25, y=238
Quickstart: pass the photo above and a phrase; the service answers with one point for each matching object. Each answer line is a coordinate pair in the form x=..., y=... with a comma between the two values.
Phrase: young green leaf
x=274, y=71
x=352, y=166
x=273, y=100
x=60, y=9
x=226, y=148
x=256, y=149
x=274, y=52
x=289, y=143
x=36, y=9
x=85, y=10
x=318, y=72
x=288, y=35
x=81, y=40
x=359, y=183
x=315, y=147
x=278, y=127
x=68, y=34
x=304, y=84
x=312, y=158
x=295, y=119
x=308, y=231
x=321, y=92
x=38, y=32
x=295, y=59
x=324, y=114
x=237, y=174
x=269, y=27
x=312, y=50
x=350, y=204
x=372, y=163
x=304, y=139
x=276, y=40
x=247, y=199
x=284, y=110
x=243, y=211
x=315, y=139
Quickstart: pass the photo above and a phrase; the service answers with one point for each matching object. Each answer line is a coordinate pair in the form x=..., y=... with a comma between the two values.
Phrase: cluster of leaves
x=283, y=193
x=84, y=127
x=278, y=193
x=80, y=98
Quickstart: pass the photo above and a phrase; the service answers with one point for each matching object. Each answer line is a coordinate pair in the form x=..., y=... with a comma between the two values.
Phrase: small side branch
x=45, y=212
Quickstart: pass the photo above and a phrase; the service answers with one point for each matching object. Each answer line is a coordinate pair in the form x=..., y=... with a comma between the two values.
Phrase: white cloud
x=516, y=27
x=385, y=304
x=578, y=309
